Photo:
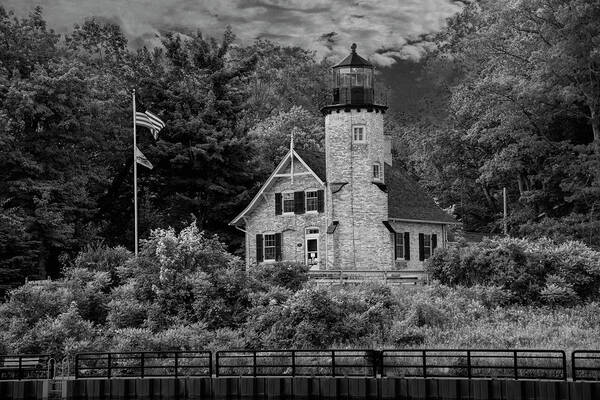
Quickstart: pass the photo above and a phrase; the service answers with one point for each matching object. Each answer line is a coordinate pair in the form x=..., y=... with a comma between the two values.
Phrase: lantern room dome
x=353, y=60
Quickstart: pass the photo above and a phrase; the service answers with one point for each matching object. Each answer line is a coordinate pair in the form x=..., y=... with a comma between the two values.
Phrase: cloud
x=385, y=30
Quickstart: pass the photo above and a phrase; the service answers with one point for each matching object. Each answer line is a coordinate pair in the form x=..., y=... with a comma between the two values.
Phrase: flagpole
x=135, y=208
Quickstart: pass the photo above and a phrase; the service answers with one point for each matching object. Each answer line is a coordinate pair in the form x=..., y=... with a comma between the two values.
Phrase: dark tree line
x=515, y=103
x=66, y=134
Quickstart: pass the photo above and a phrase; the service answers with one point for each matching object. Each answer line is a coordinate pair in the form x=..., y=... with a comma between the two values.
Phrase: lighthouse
x=356, y=152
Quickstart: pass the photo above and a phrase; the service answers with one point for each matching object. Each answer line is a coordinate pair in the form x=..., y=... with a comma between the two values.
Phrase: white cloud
x=380, y=28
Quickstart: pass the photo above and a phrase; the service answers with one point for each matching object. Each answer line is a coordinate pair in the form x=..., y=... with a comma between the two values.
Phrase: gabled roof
x=315, y=160
x=408, y=201
x=282, y=163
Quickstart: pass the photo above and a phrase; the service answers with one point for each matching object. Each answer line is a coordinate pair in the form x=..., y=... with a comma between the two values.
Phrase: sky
x=388, y=32
x=385, y=30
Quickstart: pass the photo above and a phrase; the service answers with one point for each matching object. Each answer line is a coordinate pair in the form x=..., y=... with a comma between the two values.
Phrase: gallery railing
x=143, y=364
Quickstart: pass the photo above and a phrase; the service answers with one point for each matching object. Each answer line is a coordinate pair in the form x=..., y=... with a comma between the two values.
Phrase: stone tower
x=356, y=154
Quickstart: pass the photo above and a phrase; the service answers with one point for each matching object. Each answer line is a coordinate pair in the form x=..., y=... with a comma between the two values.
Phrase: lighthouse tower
x=356, y=153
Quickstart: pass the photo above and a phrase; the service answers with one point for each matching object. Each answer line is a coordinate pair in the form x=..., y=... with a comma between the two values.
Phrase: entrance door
x=312, y=248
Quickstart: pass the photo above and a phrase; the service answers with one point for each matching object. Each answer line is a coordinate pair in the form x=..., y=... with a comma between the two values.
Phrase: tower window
x=358, y=134
x=376, y=172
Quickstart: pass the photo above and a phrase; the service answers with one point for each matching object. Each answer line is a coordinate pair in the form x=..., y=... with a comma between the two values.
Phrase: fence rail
x=515, y=364
x=585, y=365
x=295, y=363
x=143, y=364
x=430, y=363
x=392, y=277
x=475, y=363
x=25, y=366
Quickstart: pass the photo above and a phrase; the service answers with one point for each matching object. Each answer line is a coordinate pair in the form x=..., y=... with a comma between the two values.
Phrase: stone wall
x=262, y=219
x=414, y=228
x=360, y=241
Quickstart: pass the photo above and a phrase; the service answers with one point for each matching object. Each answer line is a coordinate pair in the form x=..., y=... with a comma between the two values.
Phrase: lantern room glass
x=352, y=77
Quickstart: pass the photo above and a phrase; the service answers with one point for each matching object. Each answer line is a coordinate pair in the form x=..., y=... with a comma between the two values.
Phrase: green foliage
x=289, y=275
x=319, y=317
x=531, y=271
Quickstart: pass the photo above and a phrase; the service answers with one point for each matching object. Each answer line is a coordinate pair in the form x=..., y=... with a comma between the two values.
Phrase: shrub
x=291, y=275
x=523, y=268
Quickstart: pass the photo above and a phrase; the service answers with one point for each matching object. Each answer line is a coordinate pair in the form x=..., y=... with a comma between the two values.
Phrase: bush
x=319, y=317
x=538, y=271
x=290, y=275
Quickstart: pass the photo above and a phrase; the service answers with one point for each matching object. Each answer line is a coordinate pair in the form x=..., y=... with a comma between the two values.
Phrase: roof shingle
x=407, y=200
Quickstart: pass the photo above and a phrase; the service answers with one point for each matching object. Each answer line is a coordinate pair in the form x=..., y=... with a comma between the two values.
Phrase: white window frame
x=396, y=252
x=312, y=236
x=283, y=200
x=427, y=248
x=378, y=166
x=363, y=138
x=316, y=200
x=274, y=246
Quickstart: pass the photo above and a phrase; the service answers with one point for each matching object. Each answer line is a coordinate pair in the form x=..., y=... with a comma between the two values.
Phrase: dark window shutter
x=320, y=201
x=298, y=202
x=433, y=242
x=277, y=203
x=259, y=248
x=406, y=246
x=278, y=247
x=421, y=247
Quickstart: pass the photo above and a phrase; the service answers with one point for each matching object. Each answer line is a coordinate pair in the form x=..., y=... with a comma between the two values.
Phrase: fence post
x=424, y=364
x=176, y=364
x=142, y=363
x=109, y=365
x=332, y=362
x=564, y=364
x=254, y=363
x=210, y=363
x=469, y=373
x=20, y=367
x=515, y=366
x=216, y=363
x=573, y=369
x=76, y=366
x=293, y=362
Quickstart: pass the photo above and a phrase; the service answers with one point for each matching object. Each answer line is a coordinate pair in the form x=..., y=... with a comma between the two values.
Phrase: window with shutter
x=312, y=201
x=269, y=245
x=259, y=248
x=277, y=203
x=321, y=200
x=299, y=202
x=278, y=247
x=425, y=246
x=399, y=246
x=287, y=200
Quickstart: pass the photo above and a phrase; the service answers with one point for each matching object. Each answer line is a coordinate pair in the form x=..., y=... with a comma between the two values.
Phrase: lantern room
x=352, y=82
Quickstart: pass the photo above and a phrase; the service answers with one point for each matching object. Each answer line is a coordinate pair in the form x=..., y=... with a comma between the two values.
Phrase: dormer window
x=359, y=135
x=376, y=172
